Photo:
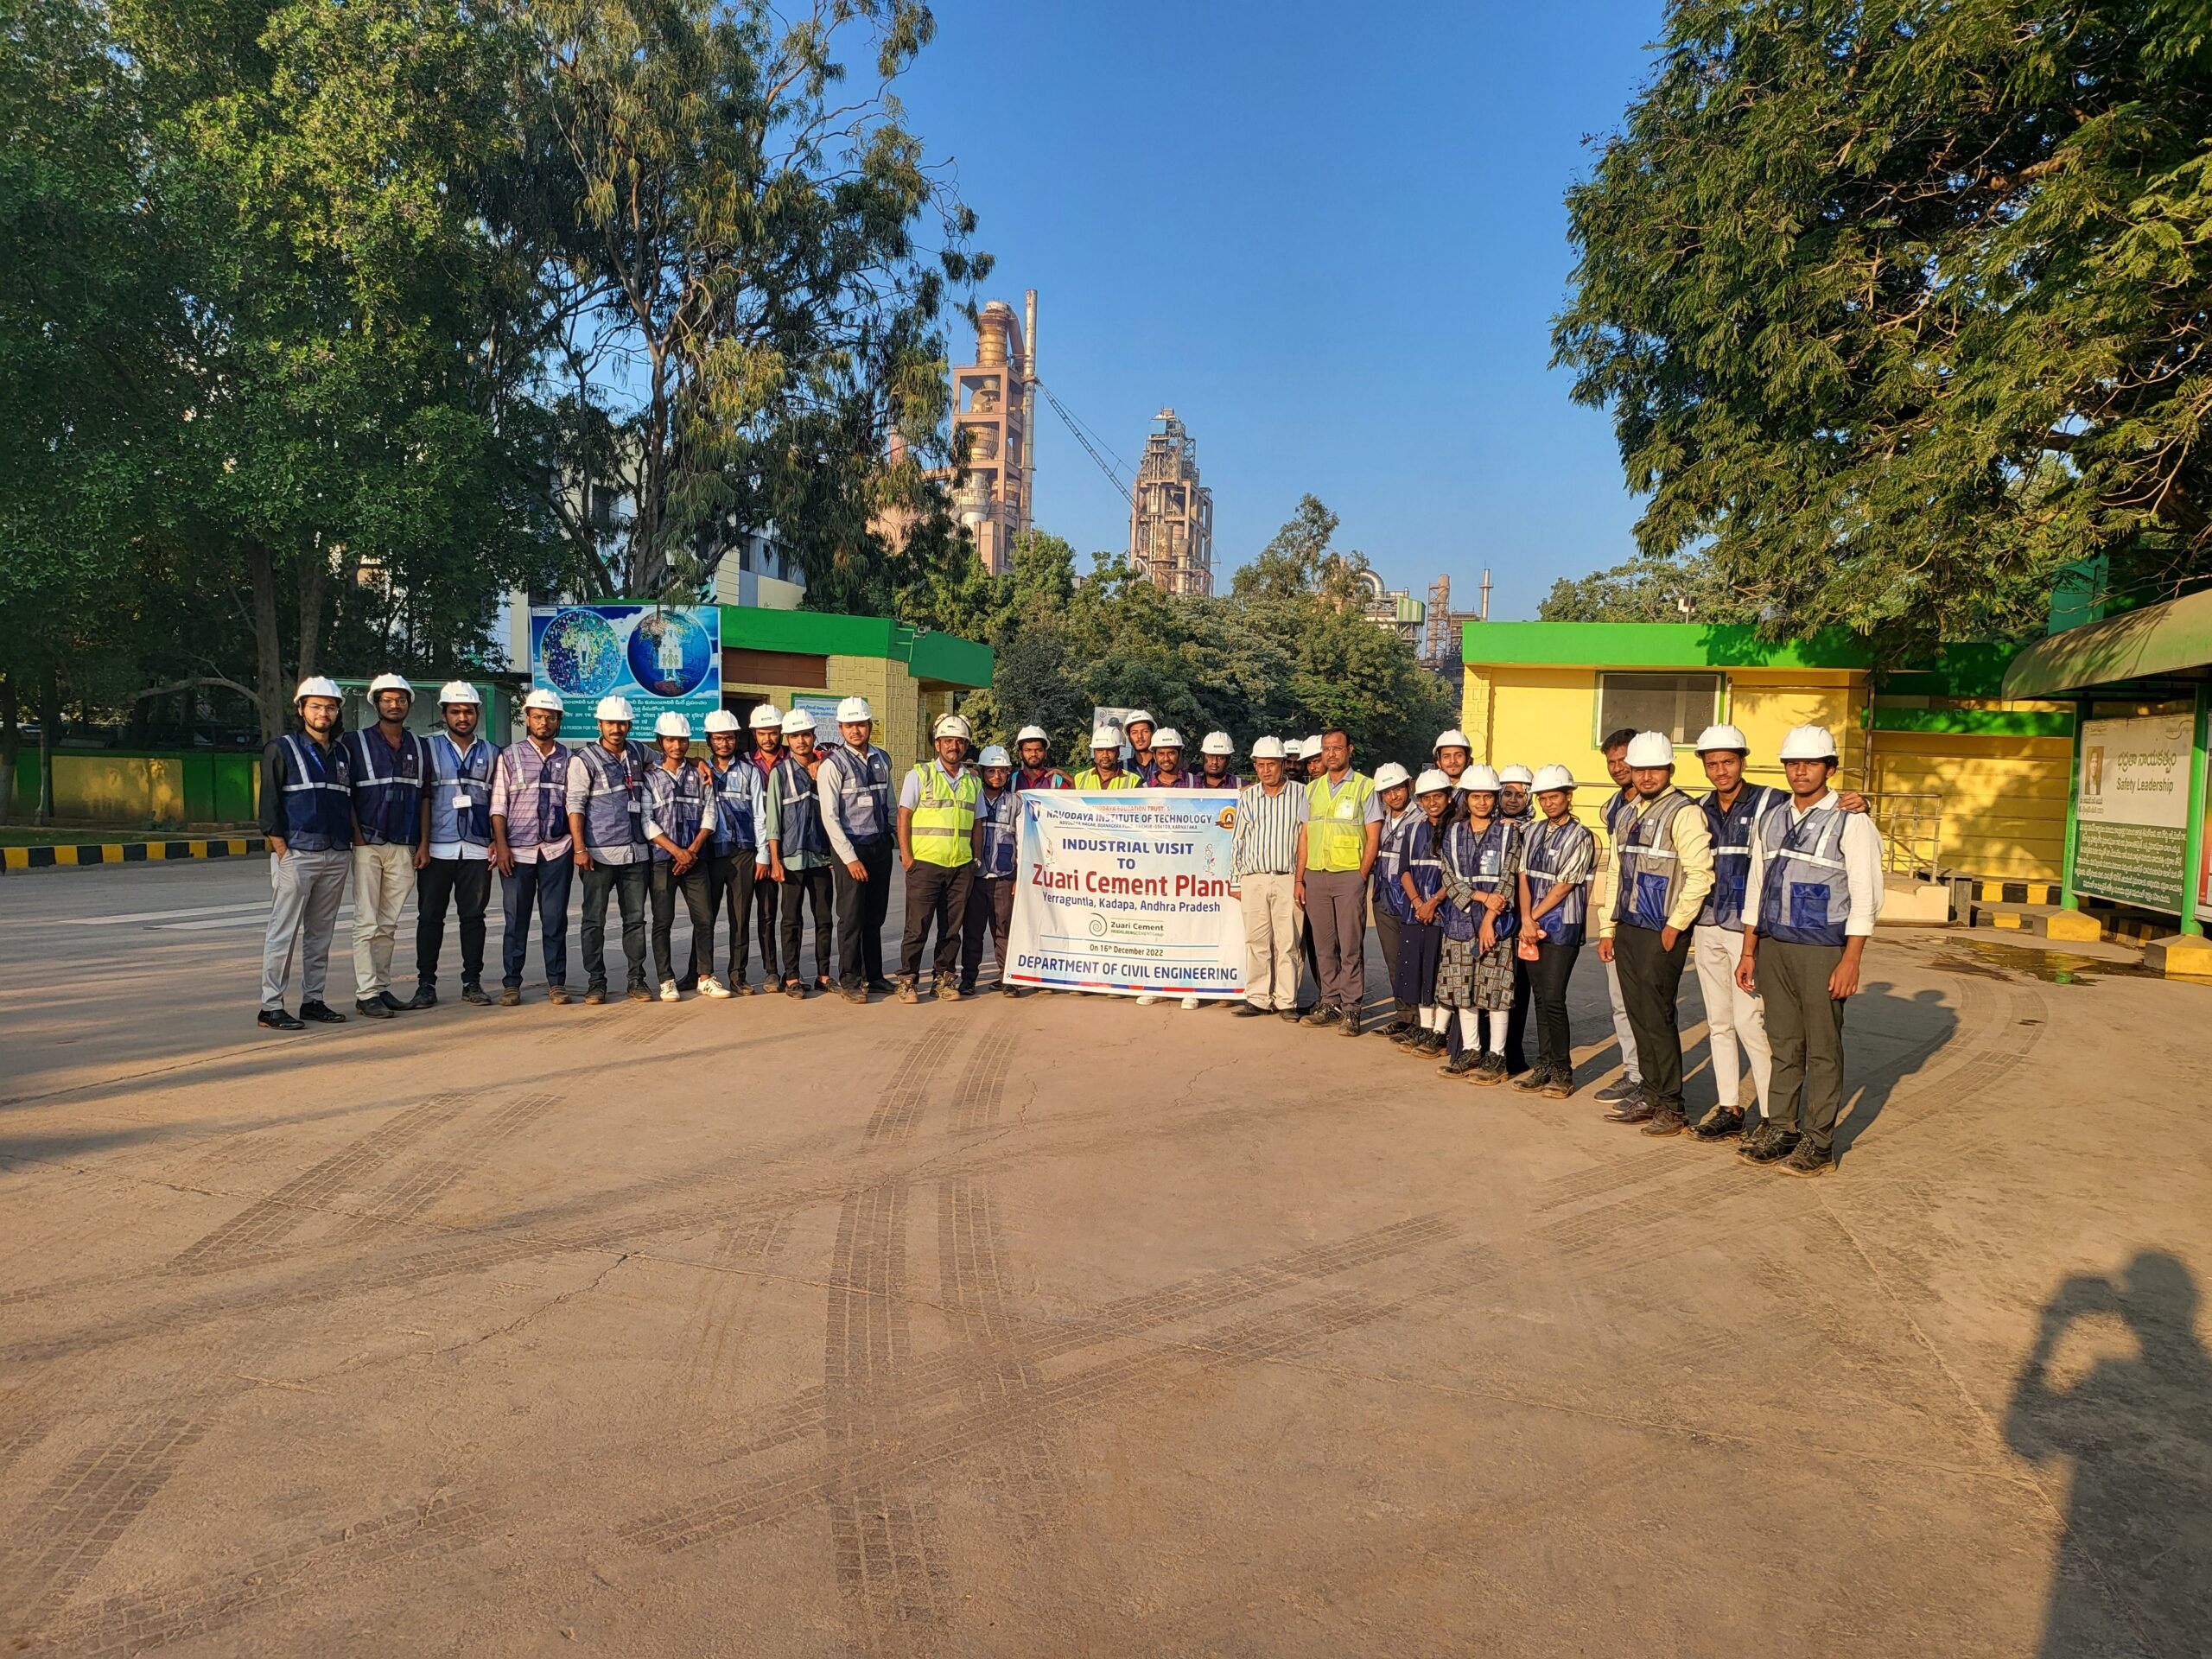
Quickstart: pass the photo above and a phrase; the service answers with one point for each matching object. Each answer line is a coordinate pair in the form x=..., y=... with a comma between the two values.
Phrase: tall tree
x=1646, y=589
x=1902, y=303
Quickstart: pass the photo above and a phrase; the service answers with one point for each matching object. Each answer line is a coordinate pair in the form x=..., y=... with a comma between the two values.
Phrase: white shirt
x=1861, y=852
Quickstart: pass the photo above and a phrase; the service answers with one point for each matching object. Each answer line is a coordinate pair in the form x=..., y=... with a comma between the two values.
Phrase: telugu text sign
x=662, y=658
x=2131, y=809
x=1128, y=891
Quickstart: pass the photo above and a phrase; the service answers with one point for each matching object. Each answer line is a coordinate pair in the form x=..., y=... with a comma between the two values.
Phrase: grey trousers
x=1335, y=915
x=307, y=888
x=1804, y=1026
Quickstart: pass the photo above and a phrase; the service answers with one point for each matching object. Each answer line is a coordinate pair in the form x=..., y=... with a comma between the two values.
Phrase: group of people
x=1481, y=883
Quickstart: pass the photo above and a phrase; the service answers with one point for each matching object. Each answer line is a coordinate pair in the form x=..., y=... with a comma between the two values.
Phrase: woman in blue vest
x=1432, y=917
x=1559, y=857
x=1482, y=865
x=990, y=897
x=1394, y=786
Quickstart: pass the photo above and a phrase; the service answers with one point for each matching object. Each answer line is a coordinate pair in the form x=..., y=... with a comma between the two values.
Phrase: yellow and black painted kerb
x=77, y=854
x=2017, y=892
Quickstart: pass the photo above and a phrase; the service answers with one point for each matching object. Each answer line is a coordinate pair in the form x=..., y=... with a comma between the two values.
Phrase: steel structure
x=994, y=428
x=1171, y=518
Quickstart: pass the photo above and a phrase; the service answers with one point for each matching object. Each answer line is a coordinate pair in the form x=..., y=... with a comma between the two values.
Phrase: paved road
x=1070, y=1327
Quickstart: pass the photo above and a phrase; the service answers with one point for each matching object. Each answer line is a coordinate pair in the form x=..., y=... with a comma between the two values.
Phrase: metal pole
x=2192, y=859
x=1029, y=410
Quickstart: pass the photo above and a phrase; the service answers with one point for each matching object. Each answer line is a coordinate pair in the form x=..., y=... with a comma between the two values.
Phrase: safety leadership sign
x=660, y=657
x=2130, y=810
x=1128, y=891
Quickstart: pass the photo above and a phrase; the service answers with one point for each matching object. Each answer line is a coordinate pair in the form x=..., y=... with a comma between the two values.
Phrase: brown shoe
x=510, y=996
x=1667, y=1121
x=1639, y=1108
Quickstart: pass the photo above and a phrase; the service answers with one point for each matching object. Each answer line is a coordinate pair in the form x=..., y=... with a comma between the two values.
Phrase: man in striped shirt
x=1269, y=816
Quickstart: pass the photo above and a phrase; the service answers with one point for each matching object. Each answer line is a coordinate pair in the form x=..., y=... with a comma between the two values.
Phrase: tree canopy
x=1898, y=305
x=1647, y=589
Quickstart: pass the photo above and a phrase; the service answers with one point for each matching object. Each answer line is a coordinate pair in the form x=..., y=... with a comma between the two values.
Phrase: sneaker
x=1533, y=1083
x=1490, y=1071
x=1147, y=1000
x=393, y=1002
x=510, y=996
x=558, y=995
x=795, y=990
x=1621, y=1088
x=669, y=993
x=280, y=1020
x=1559, y=1086
x=1350, y=1025
x=1769, y=1143
x=1409, y=1037
x=426, y=996
x=1460, y=1063
x=1721, y=1123
x=1191, y=1005
x=321, y=1014
x=905, y=992
x=1017, y=992
x=1394, y=1029
x=709, y=986
x=596, y=992
x=638, y=993
x=473, y=991
x=948, y=991
x=372, y=1007
x=854, y=994
x=1807, y=1160
x=1668, y=1119
x=1322, y=1016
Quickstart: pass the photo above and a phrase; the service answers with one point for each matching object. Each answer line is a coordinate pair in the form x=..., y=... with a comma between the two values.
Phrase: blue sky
x=1333, y=243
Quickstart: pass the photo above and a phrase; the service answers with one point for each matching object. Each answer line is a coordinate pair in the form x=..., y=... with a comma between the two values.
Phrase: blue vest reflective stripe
x=998, y=818
x=799, y=811
x=863, y=789
x=1649, y=872
x=453, y=775
x=1549, y=848
x=1431, y=849
x=537, y=807
x=614, y=804
x=319, y=800
x=1732, y=830
x=1483, y=864
x=387, y=787
x=680, y=801
x=741, y=805
x=1390, y=863
x=1804, y=888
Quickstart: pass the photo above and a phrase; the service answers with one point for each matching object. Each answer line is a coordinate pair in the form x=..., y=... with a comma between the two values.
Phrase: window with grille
x=1681, y=705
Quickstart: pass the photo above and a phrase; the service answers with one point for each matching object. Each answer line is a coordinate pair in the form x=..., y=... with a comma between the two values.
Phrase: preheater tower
x=995, y=403
x=1170, y=513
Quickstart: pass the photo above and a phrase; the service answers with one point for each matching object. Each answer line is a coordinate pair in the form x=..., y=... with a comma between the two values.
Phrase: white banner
x=1127, y=891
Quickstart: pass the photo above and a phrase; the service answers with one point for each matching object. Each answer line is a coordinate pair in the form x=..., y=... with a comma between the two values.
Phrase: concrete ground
x=1070, y=1327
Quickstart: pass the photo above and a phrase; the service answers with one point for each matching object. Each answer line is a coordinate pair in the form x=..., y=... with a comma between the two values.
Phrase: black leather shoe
x=280, y=1020
x=471, y=991
x=426, y=996
x=638, y=993
x=1665, y=1121
x=372, y=1007
x=1531, y=1083
x=391, y=1002
x=1721, y=1124
x=321, y=1014
x=881, y=986
x=1252, y=1011
x=796, y=990
x=1637, y=1109
x=1768, y=1145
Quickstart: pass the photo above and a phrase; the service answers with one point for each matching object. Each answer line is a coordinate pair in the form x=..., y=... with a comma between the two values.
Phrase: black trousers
x=767, y=904
x=729, y=892
x=1386, y=928
x=1650, y=979
x=628, y=883
x=466, y=882
x=990, y=909
x=696, y=885
x=1547, y=979
x=816, y=888
x=541, y=885
x=1313, y=963
x=935, y=894
x=861, y=907
x=1516, y=1020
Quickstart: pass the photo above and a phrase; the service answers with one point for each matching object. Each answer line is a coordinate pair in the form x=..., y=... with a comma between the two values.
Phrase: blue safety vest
x=615, y=796
x=678, y=803
x=1649, y=871
x=799, y=811
x=1732, y=830
x=1425, y=855
x=741, y=806
x=460, y=790
x=537, y=807
x=387, y=787
x=863, y=789
x=1804, y=887
x=1390, y=863
x=318, y=795
x=1549, y=848
x=997, y=815
x=1480, y=859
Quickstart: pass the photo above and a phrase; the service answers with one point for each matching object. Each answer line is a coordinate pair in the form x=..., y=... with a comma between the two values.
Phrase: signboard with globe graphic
x=660, y=658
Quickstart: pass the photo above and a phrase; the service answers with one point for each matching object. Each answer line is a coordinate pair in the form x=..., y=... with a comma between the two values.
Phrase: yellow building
x=1963, y=781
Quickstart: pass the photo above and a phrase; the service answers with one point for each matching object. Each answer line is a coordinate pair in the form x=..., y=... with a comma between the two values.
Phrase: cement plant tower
x=1171, y=514
x=993, y=425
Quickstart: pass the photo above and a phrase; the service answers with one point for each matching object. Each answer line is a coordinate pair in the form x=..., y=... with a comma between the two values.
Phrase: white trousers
x=383, y=877
x=1622, y=1031
x=1273, y=927
x=1731, y=1016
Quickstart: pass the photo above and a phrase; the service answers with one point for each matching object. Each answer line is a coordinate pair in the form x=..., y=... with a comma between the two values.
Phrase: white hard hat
x=766, y=714
x=1808, y=743
x=1721, y=737
x=1391, y=775
x=1105, y=737
x=854, y=709
x=316, y=685
x=1267, y=748
x=1650, y=749
x=383, y=682
x=1516, y=775
x=1032, y=735
x=1216, y=743
x=672, y=724
x=953, y=726
x=1431, y=780
x=1549, y=778
x=995, y=756
x=1138, y=717
x=1309, y=748
x=1167, y=738
x=1479, y=777
x=1455, y=739
x=721, y=719
x=797, y=721
x=614, y=709
x=457, y=692
x=540, y=698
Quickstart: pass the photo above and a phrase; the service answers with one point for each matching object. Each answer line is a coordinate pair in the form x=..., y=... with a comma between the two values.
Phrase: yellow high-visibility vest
x=1336, y=825
x=1088, y=779
x=944, y=827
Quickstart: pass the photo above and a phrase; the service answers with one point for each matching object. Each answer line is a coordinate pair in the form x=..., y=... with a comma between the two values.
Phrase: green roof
x=2156, y=642
x=1655, y=645
x=944, y=658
